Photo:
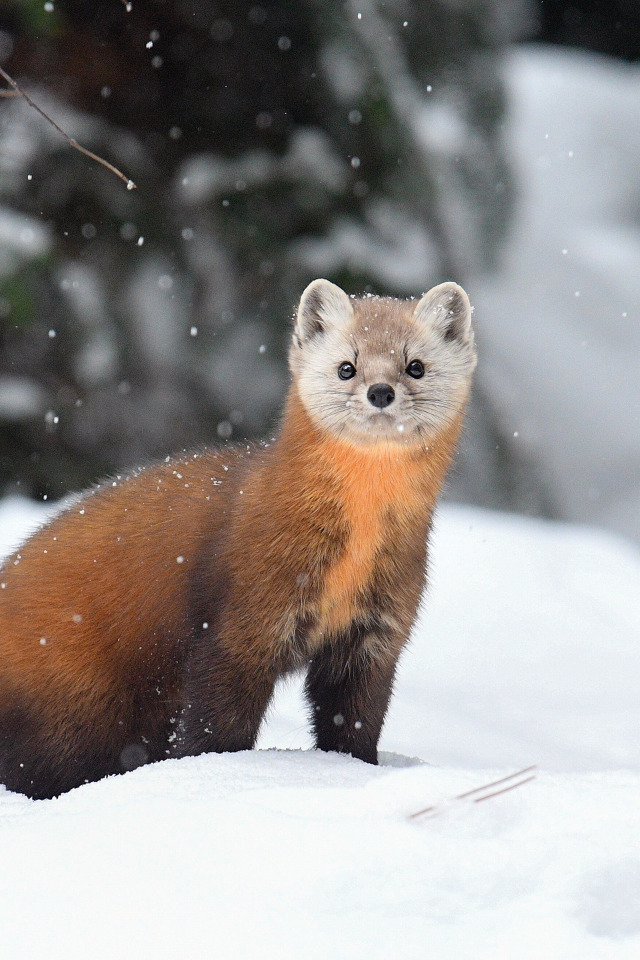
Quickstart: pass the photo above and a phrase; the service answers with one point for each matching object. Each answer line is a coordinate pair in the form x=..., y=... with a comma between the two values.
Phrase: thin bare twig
x=485, y=792
x=18, y=91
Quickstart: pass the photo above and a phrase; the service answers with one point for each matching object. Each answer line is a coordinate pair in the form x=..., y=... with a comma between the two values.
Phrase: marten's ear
x=447, y=308
x=323, y=306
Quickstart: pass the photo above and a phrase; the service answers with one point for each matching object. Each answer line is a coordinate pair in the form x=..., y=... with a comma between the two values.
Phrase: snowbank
x=295, y=855
x=528, y=651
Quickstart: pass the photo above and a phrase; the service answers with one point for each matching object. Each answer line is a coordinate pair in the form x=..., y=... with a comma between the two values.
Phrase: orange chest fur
x=371, y=489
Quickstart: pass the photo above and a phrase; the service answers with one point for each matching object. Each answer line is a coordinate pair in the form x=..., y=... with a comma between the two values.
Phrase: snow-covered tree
x=270, y=143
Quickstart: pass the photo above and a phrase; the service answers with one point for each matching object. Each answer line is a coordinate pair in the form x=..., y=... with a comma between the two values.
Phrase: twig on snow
x=18, y=91
x=479, y=794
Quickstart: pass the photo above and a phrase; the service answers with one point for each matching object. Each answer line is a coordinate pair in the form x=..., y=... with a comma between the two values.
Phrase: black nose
x=381, y=395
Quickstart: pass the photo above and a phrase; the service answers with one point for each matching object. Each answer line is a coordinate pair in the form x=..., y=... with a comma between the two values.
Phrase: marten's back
x=96, y=616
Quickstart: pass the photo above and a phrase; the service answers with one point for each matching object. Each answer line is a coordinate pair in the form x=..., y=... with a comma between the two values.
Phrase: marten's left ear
x=447, y=308
x=323, y=306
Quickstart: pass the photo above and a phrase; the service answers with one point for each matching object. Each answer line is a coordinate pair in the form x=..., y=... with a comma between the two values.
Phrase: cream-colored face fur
x=381, y=339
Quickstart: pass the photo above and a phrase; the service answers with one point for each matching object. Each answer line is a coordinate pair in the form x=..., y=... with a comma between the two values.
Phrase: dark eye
x=416, y=369
x=346, y=370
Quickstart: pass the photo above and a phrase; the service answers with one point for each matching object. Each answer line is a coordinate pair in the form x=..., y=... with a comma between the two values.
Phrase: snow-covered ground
x=559, y=323
x=528, y=651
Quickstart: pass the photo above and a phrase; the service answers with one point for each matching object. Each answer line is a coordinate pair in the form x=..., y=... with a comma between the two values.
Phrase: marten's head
x=376, y=369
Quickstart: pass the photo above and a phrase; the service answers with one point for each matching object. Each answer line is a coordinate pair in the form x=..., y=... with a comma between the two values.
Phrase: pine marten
x=153, y=616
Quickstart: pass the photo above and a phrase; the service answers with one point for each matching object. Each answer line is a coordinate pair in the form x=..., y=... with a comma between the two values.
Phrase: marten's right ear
x=323, y=306
x=447, y=308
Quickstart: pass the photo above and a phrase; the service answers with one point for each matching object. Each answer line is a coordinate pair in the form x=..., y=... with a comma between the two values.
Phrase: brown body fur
x=153, y=616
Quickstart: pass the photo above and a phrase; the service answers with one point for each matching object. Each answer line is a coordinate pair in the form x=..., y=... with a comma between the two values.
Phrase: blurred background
x=385, y=144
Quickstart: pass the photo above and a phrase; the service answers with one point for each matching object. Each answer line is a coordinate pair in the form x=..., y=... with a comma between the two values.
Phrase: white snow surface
x=527, y=651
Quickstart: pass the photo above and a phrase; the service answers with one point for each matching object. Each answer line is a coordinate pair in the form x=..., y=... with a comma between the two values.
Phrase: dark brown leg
x=348, y=691
x=225, y=699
